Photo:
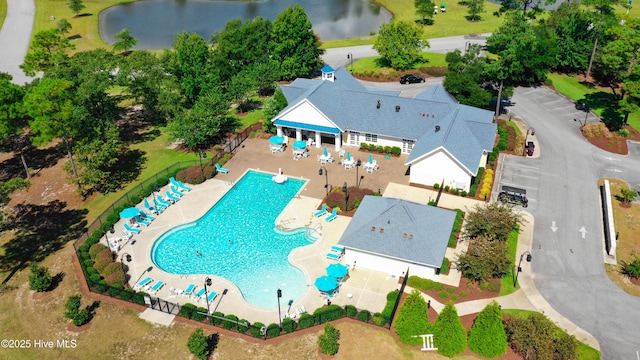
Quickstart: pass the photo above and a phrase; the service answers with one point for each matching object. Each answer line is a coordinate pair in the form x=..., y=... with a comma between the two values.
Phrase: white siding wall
x=306, y=113
x=387, y=265
x=437, y=166
x=382, y=141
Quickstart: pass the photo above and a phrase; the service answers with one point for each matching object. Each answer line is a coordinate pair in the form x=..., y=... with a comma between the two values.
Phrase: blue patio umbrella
x=337, y=271
x=348, y=155
x=299, y=144
x=326, y=283
x=129, y=213
x=325, y=152
x=370, y=158
x=276, y=140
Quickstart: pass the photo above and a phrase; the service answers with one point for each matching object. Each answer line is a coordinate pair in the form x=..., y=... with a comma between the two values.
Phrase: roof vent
x=410, y=236
x=404, y=235
x=437, y=128
x=381, y=230
x=433, y=115
x=373, y=228
x=378, y=105
x=397, y=108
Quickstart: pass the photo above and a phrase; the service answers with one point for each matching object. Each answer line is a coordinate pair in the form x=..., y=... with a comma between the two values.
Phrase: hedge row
x=393, y=150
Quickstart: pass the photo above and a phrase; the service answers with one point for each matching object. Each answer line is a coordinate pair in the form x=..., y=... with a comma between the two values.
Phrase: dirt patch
x=78, y=329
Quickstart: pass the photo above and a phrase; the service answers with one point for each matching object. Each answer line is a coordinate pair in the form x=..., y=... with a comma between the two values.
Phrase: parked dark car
x=411, y=79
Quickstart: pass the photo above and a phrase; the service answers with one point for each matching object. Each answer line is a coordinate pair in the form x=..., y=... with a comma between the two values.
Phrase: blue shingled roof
x=326, y=69
x=465, y=131
x=400, y=229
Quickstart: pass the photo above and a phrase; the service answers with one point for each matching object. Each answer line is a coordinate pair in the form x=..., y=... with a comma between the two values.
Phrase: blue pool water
x=237, y=239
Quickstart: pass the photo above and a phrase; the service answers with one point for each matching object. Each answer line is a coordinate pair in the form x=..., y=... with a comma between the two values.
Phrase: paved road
x=15, y=36
x=568, y=267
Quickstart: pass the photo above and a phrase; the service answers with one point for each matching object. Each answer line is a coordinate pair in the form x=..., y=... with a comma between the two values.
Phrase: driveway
x=14, y=38
x=568, y=251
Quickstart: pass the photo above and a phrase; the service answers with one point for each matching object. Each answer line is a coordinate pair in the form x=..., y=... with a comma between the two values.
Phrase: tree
x=198, y=344
x=144, y=76
x=13, y=119
x=50, y=104
x=631, y=268
x=476, y=7
x=273, y=106
x=536, y=337
x=464, y=76
x=628, y=195
x=424, y=9
x=48, y=50
x=412, y=319
x=125, y=41
x=74, y=313
x=494, y=220
x=533, y=6
x=328, y=341
x=296, y=48
x=39, y=280
x=486, y=258
x=487, y=336
x=450, y=336
x=76, y=6
x=400, y=44
x=64, y=26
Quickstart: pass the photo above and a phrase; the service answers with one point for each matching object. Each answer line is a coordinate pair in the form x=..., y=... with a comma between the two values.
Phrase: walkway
x=15, y=37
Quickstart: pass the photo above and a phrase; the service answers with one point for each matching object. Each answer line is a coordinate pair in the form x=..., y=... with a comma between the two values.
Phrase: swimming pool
x=237, y=239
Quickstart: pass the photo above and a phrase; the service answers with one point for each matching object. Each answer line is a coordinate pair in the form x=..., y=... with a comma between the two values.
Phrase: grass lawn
x=3, y=12
x=507, y=280
x=584, y=352
x=371, y=63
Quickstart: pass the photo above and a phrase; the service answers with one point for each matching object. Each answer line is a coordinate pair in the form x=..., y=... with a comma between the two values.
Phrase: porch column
x=318, y=139
x=279, y=130
x=298, y=134
x=338, y=137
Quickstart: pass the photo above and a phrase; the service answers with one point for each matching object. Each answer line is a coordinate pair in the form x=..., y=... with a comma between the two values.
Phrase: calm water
x=156, y=22
x=236, y=239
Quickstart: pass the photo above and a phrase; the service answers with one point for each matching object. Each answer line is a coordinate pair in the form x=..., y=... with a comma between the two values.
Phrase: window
x=407, y=146
x=372, y=138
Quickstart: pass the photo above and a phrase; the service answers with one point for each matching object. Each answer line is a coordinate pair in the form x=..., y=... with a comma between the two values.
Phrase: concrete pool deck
x=364, y=288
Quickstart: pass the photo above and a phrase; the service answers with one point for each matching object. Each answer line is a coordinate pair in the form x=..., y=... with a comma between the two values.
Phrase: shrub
x=631, y=268
x=487, y=336
x=450, y=336
x=138, y=298
x=273, y=330
x=623, y=132
x=199, y=314
x=364, y=316
x=445, y=266
x=241, y=328
x=95, y=278
x=90, y=270
x=127, y=294
x=432, y=203
x=72, y=306
x=396, y=151
x=187, y=310
x=230, y=325
x=111, y=268
x=536, y=332
x=306, y=321
x=215, y=320
x=392, y=297
x=443, y=295
x=446, y=188
x=255, y=329
x=328, y=341
x=95, y=249
x=331, y=312
x=117, y=278
x=463, y=193
x=436, y=186
x=198, y=344
x=351, y=311
x=379, y=319
x=423, y=284
x=191, y=175
x=288, y=325
x=412, y=319
x=39, y=280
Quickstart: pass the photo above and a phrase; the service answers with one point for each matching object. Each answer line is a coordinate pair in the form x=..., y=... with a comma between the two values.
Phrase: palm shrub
x=412, y=319
x=450, y=336
x=39, y=280
x=198, y=344
x=328, y=341
x=632, y=268
x=487, y=336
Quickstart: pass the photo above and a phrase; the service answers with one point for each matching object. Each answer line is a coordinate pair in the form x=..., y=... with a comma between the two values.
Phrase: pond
x=156, y=22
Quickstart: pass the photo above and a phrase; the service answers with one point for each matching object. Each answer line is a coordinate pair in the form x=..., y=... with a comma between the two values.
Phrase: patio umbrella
x=370, y=158
x=326, y=283
x=276, y=140
x=348, y=155
x=337, y=270
x=129, y=213
x=325, y=152
x=299, y=144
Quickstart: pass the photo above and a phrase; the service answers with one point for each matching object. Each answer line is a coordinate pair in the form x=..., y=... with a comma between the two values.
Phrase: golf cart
x=513, y=195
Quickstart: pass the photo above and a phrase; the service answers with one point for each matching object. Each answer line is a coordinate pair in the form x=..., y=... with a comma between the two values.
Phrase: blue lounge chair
x=131, y=229
x=338, y=249
x=156, y=287
x=143, y=222
x=189, y=290
x=199, y=295
x=159, y=205
x=321, y=212
x=172, y=197
x=175, y=191
x=161, y=201
x=183, y=186
x=333, y=256
x=142, y=283
x=146, y=216
x=212, y=295
x=333, y=215
x=151, y=208
x=221, y=169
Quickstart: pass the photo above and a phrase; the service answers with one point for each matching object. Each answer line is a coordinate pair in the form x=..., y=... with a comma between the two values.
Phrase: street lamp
x=224, y=292
x=358, y=163
x=144, y=272
x=529, y=257
x=124, y=256
x=326, y=178
x=279, y=316
x=207, y=282
x=201, y=155
x=345, y=190
x=111, y=230
x=350, y=56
